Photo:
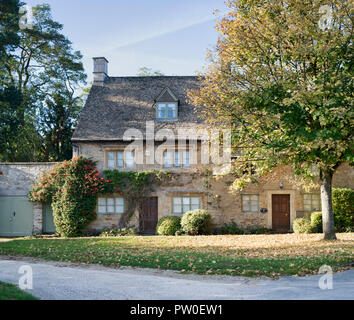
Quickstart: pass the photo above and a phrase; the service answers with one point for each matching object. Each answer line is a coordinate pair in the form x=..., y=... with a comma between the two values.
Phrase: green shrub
x=256, y=230
x=118, y=232
x=343, y=208
x=302, y=225
x=316, y=222
x=168, y=226
x=343, y=211
x=196, y=222
x=72, y=187
x=230, y=228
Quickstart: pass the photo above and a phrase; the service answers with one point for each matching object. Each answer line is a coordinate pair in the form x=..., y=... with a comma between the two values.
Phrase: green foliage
x=230, y=228
x=288, y=99
x=196, y=222
x=135, y=185
x=72, y=187
x=40, y=73
x=343, y=208
x=256, y=230
x=118, y=232
x=11, y=292
x=316, y=222
x=343, y=211
x=148, y=72
x=168, y=226
x=302, y=225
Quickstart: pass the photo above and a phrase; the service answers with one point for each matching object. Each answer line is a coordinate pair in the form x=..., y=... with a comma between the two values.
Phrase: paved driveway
x=53, y=280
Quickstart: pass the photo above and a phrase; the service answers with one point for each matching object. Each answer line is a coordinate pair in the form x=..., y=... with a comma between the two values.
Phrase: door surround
x=292, y=205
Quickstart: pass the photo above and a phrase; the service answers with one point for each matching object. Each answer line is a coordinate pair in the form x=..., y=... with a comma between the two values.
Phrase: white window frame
x=108, y=202
x=166, y=106
x=118, y=161
x=186, y=204
x=252, y=201
x=183, y=160
x=308, y=199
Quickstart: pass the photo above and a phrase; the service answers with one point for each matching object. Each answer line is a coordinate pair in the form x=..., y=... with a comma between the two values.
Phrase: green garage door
x=16, y=216
x=48, y=221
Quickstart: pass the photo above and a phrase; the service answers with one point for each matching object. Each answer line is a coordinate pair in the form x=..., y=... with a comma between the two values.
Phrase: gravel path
x=68, y=281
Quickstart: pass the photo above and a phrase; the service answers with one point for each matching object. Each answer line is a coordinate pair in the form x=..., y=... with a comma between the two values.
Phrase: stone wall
x=223, y=205
x=17, y=179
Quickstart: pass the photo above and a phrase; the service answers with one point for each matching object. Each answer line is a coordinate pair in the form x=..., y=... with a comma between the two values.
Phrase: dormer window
x=166, y=111
x=166, y=106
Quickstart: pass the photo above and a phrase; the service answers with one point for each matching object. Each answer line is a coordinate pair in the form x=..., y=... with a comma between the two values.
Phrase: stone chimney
x=100, y=70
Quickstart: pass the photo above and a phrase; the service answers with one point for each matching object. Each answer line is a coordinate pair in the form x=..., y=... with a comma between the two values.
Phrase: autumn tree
x=281, y=77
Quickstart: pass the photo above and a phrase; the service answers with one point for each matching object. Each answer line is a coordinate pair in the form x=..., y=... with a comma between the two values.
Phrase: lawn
x=11, y=292
x=246, y=255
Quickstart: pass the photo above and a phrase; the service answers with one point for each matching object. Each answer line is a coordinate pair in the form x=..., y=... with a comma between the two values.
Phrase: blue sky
x=167, y=35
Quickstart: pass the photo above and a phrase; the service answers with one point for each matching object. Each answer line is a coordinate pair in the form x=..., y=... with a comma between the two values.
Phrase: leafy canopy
x=283, y=85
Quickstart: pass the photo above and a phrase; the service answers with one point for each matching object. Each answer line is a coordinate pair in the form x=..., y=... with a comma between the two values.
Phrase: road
x=67, y=281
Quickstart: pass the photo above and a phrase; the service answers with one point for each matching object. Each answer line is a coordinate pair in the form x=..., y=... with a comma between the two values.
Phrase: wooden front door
x=281, y=212
x=149, y=215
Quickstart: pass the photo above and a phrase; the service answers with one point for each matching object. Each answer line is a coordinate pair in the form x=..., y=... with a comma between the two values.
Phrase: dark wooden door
x=281, y=212
x=149, y=215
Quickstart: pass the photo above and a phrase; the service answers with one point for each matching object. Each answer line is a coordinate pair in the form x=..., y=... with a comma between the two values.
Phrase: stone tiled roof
x=128, y=102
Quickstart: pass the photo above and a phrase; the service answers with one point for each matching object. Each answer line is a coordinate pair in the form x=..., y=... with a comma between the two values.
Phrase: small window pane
x=101, y=201
x=119, y=205
x=195, y=203
x=186, y=204
x=312, y=202
x=177, y=205
x=186, y=159
x=250, y=203
x=120, y=159
x=130, y=159
x=111, y=160
x=102, y=205
x=172, y=110
x=161, y=111
x=168, y=159
x=177, y=163
x=110, y=205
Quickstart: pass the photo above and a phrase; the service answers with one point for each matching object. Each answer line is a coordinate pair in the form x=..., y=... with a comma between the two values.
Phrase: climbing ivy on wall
x=134, y=186
x=72, y=188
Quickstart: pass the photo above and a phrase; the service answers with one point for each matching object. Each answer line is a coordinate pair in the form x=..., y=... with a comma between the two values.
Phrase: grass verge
x=242, y=255
x=11, y=292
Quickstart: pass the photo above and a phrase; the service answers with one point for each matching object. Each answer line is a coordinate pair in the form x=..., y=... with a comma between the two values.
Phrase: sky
x=166, y=35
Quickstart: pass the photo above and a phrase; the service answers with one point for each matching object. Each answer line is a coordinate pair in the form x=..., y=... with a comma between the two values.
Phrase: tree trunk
x=326, y=201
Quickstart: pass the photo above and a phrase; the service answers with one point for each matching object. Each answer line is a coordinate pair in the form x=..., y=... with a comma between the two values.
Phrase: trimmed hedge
x=316, y=221
x=343, y=208
x=302, y=225
x=343, y=211
x=168, y=226
x=230, y=228
x=196, y=222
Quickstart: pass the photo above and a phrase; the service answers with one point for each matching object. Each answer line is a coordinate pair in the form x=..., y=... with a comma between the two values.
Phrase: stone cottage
x=144, y=123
